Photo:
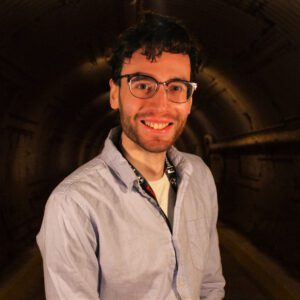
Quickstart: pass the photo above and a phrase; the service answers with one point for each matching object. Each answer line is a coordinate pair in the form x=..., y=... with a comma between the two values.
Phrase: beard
x=154, y=143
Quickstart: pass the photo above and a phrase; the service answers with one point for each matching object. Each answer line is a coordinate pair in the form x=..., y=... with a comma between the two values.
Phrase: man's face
x=153, y=124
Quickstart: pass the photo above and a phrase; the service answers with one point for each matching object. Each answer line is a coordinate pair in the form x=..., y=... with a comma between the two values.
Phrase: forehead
x=166, y=66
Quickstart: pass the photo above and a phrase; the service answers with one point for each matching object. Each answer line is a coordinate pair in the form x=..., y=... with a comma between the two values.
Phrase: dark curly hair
x=154, y=34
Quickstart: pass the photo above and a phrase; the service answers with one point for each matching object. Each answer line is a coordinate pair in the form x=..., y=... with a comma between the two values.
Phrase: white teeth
x=156, y=125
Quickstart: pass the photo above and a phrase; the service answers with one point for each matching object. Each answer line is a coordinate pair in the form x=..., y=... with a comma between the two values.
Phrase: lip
x=162, y=125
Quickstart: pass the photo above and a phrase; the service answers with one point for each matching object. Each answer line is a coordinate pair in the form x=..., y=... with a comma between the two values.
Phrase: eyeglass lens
x=145, y=87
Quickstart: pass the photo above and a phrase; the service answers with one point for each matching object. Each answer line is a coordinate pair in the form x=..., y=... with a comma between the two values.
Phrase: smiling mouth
x=157, y=126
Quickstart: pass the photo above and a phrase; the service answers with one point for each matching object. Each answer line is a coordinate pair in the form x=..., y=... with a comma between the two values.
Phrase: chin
x=157, y=147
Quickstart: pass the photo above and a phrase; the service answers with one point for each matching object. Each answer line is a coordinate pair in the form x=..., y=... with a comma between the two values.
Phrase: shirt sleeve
x=68, y=244
x=213, y=281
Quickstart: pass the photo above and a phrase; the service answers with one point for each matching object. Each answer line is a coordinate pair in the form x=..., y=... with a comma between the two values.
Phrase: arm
x=213, y=281
x=68, y=244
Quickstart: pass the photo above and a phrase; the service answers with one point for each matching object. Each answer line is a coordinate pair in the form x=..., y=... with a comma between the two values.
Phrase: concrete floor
x=23, y=280
x=250, y=273
x=239, y=285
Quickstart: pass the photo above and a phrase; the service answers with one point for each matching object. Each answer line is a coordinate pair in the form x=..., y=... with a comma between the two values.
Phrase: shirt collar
x=119, y=165
x=182, y=165
x=115, y=160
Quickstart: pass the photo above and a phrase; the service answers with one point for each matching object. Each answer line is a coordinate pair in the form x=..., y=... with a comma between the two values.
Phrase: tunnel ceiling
x=53, y=72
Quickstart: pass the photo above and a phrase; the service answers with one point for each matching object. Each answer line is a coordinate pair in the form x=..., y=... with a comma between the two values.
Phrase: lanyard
x=171, y=174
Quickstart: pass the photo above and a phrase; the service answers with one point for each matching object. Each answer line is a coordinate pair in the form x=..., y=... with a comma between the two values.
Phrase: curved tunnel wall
x=244, y=122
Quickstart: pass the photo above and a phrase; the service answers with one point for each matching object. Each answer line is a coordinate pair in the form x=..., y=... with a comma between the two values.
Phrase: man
x=139, y=220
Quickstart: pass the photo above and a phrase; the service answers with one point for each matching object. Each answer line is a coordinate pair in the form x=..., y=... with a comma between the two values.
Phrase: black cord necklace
x=170, y=171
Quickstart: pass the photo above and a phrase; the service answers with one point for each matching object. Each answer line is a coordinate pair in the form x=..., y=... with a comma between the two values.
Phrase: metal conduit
x=274, y=137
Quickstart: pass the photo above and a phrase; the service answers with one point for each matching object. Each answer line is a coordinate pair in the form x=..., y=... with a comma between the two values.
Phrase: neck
x=150, y=165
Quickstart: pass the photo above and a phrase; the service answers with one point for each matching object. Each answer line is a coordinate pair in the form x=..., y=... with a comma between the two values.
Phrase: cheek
x=129, y=107
x=184, y=113
x=189, y=107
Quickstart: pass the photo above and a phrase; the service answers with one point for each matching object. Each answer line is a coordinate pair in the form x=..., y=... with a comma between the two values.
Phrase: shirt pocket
x=198, y=235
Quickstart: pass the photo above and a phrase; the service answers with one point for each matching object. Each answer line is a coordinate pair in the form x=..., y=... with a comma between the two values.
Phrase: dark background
x=244, y=122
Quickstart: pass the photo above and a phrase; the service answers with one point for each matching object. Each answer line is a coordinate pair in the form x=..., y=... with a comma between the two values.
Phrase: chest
x=134, y=238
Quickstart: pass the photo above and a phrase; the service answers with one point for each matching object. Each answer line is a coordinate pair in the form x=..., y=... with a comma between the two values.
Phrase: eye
x=176, y=87
x=141, y=86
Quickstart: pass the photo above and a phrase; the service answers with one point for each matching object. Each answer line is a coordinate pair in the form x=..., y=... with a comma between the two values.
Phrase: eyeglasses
x=144, y=87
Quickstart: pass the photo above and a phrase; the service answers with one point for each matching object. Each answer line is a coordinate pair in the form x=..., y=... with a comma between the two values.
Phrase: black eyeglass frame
x=193, y=85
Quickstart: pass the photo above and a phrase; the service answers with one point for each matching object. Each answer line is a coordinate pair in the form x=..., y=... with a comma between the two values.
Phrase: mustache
x=149, y=114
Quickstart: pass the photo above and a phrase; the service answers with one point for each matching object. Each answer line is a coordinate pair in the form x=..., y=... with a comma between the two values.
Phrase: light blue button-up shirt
x=102, y=239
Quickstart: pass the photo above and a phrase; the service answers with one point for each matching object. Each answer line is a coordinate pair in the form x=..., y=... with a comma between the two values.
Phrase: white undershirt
x=165, y=196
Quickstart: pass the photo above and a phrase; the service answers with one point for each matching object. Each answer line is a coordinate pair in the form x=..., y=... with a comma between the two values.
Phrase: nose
x=160, y=99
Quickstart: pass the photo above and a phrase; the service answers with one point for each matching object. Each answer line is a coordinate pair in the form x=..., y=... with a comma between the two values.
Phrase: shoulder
x=87, y=173
x=198, y=166
x=82, y=186
x=201, y=177
x=69, y=208
x=194, y=159
x=202, y=184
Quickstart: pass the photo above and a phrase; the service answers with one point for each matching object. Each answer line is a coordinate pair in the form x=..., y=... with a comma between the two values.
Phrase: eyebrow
x=149, y=75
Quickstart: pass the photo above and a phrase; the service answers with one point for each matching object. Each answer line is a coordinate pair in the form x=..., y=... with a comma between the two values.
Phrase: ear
x=114, y=95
